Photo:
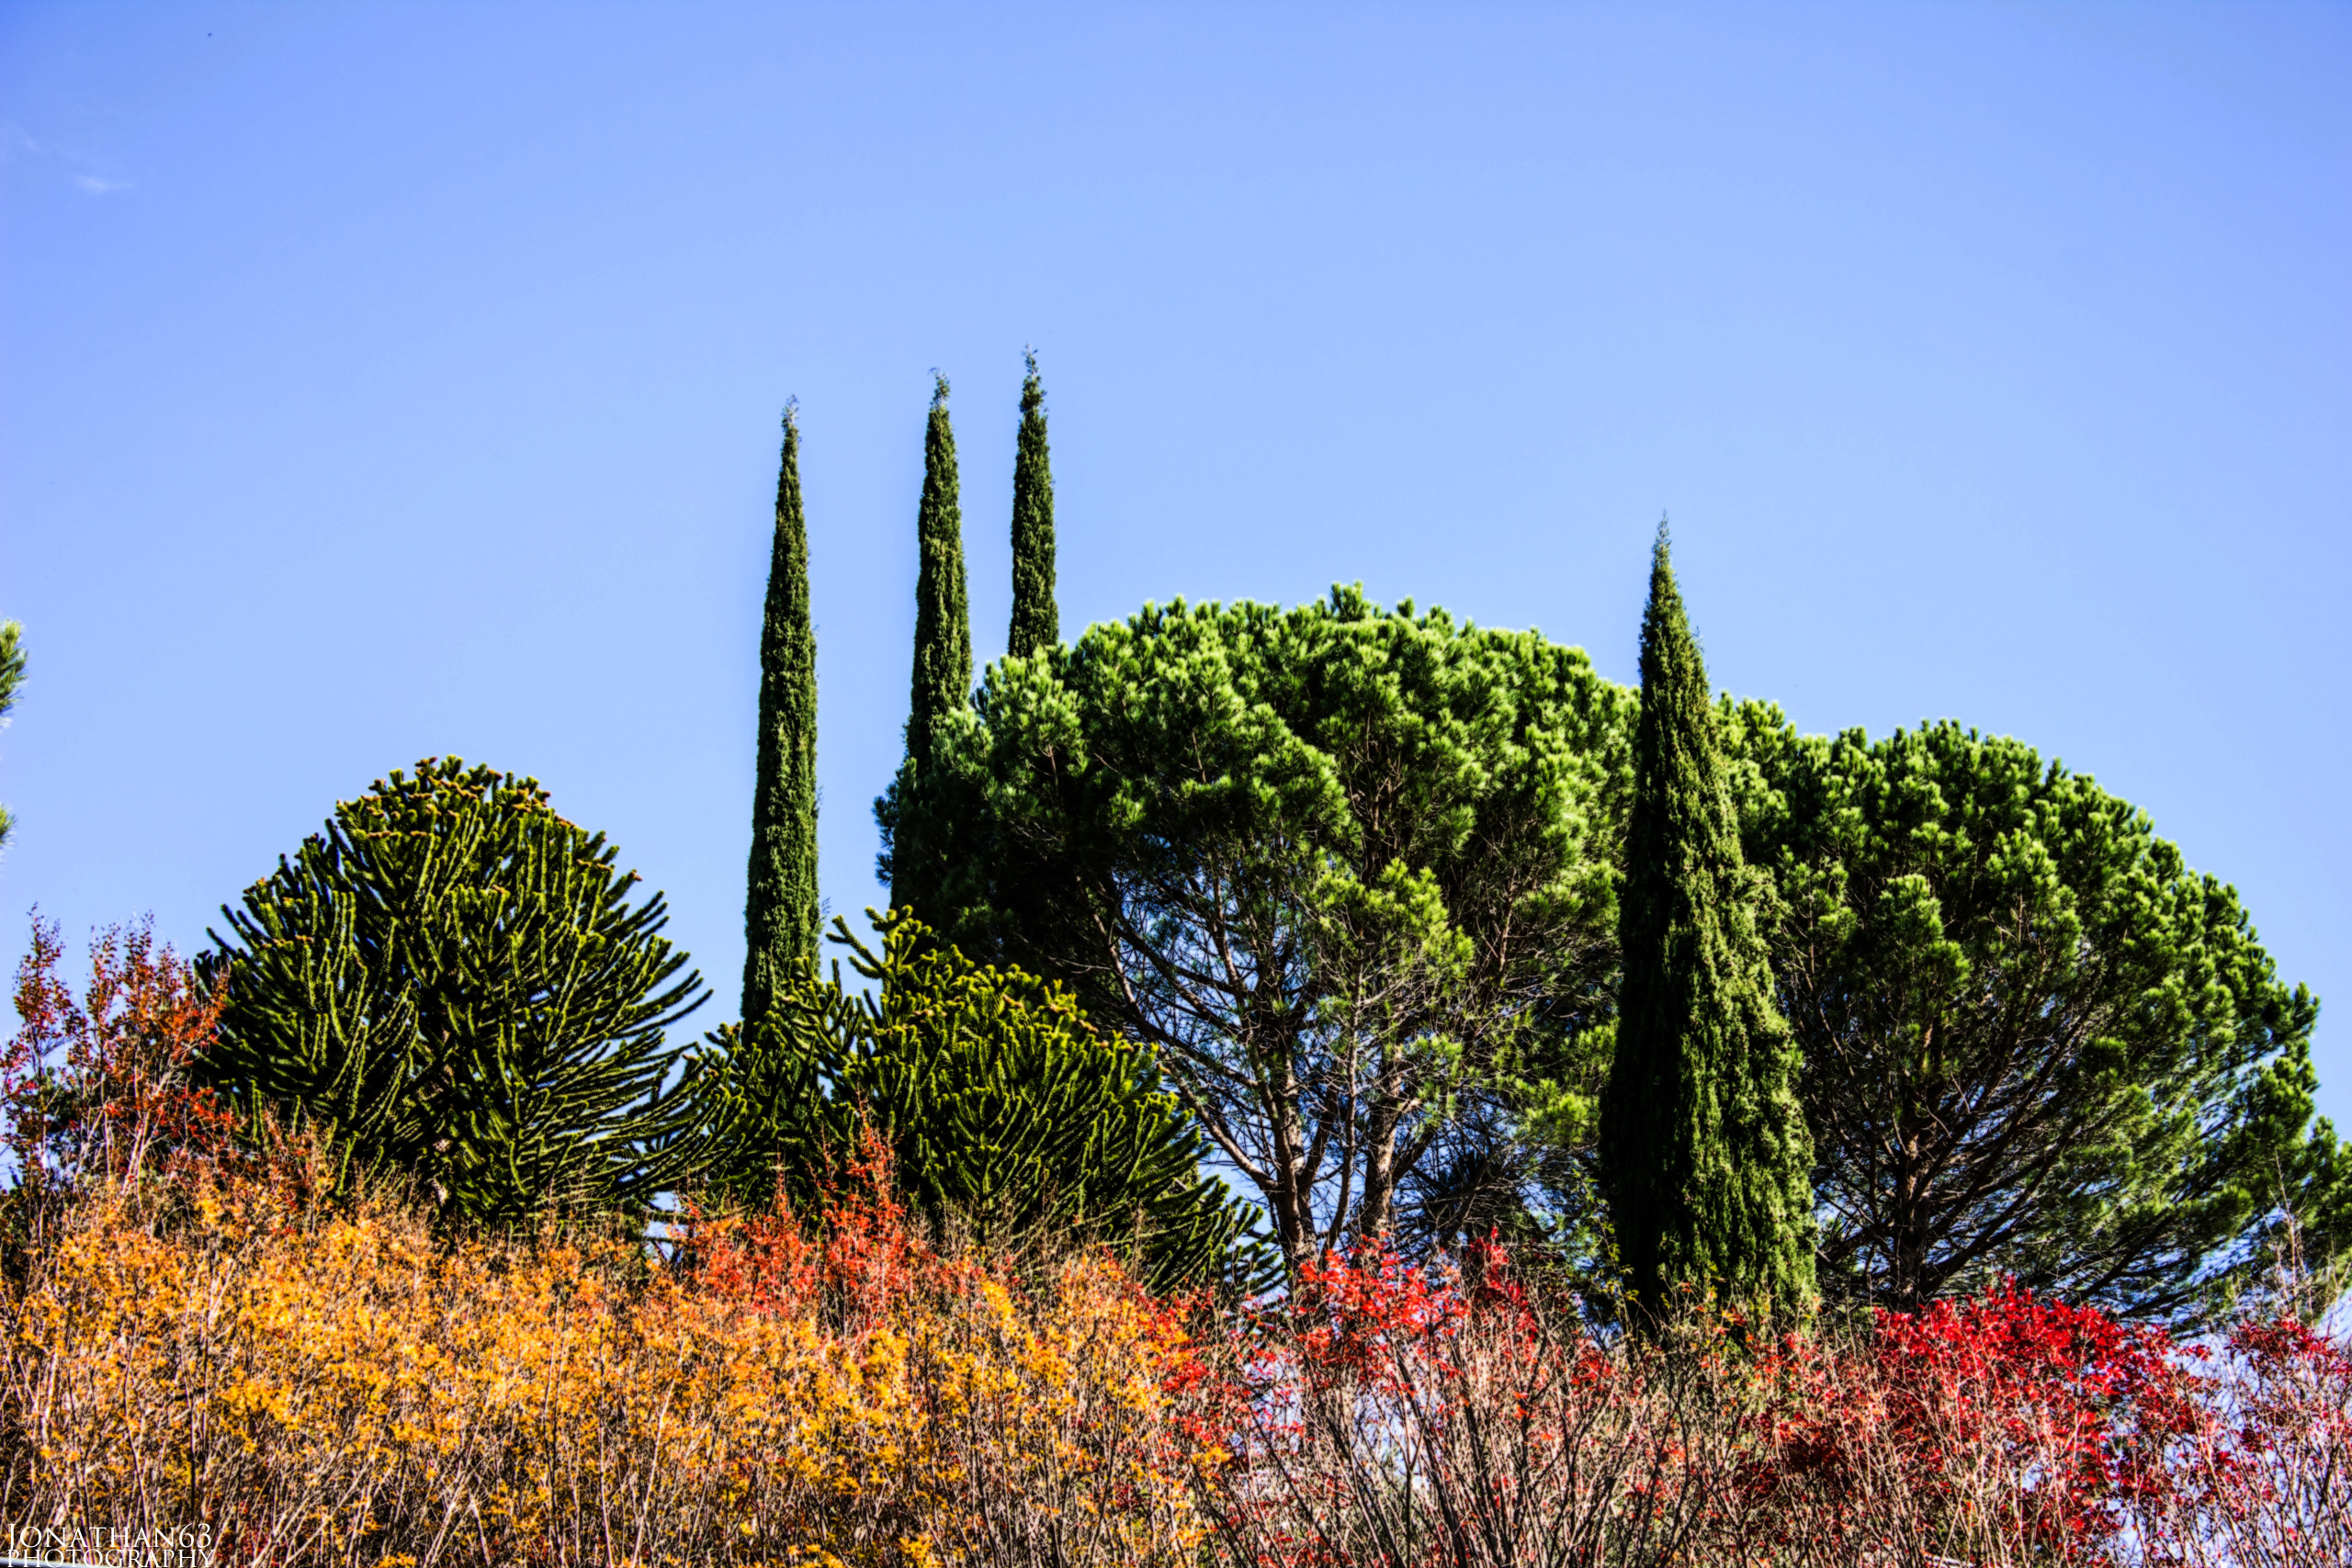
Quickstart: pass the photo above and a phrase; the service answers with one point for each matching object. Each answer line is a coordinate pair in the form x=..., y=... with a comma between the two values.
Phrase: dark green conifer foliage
x=942, y=665
x=12, y=675
x=1037, y=623
x=1350, y=868
x=942, y=662
x=1703, y=1145
x=1001, y=1105
x=781, y=924
x=453, y=982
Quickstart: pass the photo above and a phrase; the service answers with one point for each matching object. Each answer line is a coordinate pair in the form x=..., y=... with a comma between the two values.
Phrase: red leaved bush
x=101, y=1089
x=2003, y=1428
x=2264, y=1477
x=849, y=1264
x=1394, y=1414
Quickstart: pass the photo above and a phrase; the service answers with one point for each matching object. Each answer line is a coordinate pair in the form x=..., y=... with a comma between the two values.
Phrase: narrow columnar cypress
x=781, y=922
x=12, y=675
x=1037, y=623
x=1703, y=1145
x=942, y=662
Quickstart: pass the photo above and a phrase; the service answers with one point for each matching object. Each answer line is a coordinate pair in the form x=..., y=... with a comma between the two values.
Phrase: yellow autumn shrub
x=342, y=1386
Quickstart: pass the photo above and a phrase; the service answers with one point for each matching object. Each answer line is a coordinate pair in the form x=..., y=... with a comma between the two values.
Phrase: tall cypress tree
x=12, y=673
x=943, y=663
x=1037, y=623
x=1703, y=1145
x=781, y=922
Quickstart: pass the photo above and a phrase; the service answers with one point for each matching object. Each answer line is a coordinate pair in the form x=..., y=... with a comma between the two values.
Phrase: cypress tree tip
x=938, y=389
x=1665, y=598
x=1029, y=358
x=792, y=412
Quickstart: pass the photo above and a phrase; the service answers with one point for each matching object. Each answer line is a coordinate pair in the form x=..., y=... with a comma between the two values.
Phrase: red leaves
x=1389, y=1413
x=852, y=1262
x=2005, y=1415
x=102, y=1087
x=2264, y=1477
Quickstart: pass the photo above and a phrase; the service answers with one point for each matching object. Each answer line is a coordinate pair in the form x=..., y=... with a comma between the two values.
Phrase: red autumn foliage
x=854, y=1260
x=1390, y=1414
x=2005, y=1414
x=102, y=1085
x=102, y=1088
x=2264, y=1479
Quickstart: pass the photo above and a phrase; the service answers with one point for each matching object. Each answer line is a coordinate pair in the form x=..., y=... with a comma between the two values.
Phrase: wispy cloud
x=81, y=163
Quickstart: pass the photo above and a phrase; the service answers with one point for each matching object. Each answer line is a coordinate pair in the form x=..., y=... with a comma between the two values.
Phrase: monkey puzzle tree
x=453, y=982
x=1001, y=1104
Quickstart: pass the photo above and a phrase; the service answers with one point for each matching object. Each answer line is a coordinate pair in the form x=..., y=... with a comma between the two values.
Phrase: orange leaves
x=349, y=1386
x=104, y=1091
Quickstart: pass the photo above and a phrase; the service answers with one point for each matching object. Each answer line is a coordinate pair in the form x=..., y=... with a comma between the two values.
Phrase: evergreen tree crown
x=1704, y=1148
x=780, y=919
x=454, y=983
x=1036, y=622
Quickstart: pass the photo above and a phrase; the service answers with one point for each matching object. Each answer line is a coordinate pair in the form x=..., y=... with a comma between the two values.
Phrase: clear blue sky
x=386, y=381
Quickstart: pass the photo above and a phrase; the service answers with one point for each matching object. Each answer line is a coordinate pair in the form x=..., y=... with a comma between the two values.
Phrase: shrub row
x=343, y=1383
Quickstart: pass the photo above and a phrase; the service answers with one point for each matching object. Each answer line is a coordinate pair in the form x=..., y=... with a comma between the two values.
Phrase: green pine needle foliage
x=1001, y=1105
x=1037, y=623
x=781, y=919
x=1703, y=1146
x=453, y=982
x=943, y=663
x=1349, y=866
x=2036, y=1041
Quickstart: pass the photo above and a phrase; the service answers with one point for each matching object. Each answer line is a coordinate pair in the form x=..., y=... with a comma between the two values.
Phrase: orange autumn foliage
x=193, y=1336
x=346, y=1387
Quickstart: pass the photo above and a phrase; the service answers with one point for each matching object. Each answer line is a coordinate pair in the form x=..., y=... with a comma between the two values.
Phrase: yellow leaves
x=311, y=1378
